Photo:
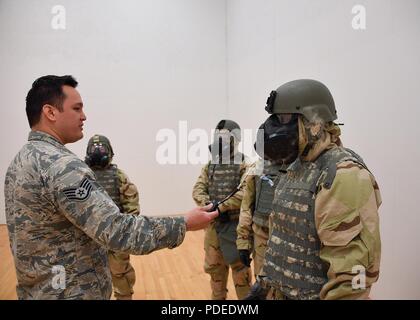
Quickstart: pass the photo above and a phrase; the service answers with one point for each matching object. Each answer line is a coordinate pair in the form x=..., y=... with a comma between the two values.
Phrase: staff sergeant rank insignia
x=80, y=193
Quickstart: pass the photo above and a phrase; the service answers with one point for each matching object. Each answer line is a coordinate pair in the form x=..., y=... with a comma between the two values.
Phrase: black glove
x=257, y=292
x=223, y=217
x=245, y=257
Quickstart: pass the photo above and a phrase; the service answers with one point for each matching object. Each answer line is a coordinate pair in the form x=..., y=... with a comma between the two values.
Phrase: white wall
x=141, y=66
x=145, y=65
x=374, y=77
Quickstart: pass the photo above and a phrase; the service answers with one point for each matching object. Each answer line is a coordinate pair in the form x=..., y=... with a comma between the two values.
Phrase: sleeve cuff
x=177, y=232
x=242, y=244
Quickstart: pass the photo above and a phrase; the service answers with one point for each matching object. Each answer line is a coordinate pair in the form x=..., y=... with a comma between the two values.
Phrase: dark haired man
x=60, y=221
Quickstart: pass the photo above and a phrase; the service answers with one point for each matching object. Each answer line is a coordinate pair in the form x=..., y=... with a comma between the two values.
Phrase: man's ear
x=49, y=112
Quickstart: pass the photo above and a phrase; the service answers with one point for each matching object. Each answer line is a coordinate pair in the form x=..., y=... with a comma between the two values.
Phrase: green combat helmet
x=99, y=151
x=234, y=130
x=310, y=98
x=232, y=126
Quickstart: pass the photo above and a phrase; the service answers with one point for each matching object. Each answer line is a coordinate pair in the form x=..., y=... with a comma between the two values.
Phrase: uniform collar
x=43, y=136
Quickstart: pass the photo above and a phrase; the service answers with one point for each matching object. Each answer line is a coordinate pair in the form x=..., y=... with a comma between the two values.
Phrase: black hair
x=46, y=90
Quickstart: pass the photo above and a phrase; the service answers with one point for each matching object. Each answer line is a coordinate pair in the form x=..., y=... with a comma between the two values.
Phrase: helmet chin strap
x=306, y=150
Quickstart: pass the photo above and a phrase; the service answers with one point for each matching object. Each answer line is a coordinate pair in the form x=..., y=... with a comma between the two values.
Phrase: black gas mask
x=98, y=155
x=222, y=148
x=278, y=138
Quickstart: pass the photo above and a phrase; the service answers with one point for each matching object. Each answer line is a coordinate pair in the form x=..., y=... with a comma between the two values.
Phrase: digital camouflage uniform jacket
x=58, y=216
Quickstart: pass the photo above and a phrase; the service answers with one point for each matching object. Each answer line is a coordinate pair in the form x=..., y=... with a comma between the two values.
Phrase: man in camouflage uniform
x=61, y=222
x=217, y=180
x=324, y=238
x=99, y=155
x=256, y=206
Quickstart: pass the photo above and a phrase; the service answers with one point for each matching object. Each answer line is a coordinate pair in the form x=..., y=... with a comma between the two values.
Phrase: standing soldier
x=324, y=238
x=60, y=221
x=256, y=206
x=99, y=155
x=219, y=179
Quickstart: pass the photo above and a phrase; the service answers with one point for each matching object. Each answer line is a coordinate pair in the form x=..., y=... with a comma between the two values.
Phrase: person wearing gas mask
x=258, y=196
x=124, y=193
x=220, y=183
x=324, y=240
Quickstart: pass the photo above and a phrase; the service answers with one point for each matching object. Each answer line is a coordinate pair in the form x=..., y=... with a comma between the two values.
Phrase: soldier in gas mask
x=257, y=201
x=99, y=156
x=324, y=240
x=219, y=181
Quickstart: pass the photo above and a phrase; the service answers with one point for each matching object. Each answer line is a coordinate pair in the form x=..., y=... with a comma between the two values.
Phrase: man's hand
x=244, y=255
x=223, y=216
x=198, y=218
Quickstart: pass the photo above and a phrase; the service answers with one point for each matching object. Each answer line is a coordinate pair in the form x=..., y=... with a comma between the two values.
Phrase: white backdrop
x=146, y=65
x=141, y=66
